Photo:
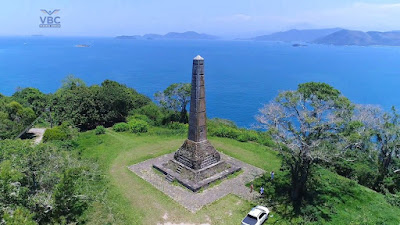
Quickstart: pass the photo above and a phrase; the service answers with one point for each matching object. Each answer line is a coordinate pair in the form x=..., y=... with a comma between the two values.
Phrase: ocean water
x=240, y=76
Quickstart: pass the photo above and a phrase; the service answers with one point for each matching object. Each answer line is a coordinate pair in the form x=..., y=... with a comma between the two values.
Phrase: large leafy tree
x=176, y=97
x=306, y=122
x=387, y=134
x=115, y=100
x=86, y=107
x=14, y=118
x=76, y=105
x=33, y=98
x=379, y=139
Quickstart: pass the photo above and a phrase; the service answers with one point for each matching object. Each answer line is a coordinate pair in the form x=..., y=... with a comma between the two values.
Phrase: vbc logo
x=50, y=21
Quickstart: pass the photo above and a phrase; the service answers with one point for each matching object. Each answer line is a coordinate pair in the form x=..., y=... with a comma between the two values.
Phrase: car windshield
x=251, y=220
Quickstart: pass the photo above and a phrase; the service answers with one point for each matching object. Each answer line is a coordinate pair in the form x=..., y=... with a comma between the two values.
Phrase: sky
x=225, y=18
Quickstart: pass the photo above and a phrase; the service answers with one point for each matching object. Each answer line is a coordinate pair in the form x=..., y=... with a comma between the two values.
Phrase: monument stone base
x=192, y=179
x=197, y=155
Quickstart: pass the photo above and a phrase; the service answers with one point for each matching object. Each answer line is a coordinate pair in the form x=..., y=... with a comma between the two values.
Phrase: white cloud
x=234, y=18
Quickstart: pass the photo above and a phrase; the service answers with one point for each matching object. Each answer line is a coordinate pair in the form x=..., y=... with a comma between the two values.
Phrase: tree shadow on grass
x=324, y=191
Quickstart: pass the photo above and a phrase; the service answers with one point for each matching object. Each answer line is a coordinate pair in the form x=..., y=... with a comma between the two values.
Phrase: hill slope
x=350, y=37
x=297, y=35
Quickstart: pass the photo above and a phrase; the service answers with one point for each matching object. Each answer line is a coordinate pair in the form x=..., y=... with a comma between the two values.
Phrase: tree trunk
x=300, y=174
x=183, y=116
x=386, y=160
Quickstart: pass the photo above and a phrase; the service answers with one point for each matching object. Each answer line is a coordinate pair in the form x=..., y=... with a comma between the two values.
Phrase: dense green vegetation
x=33, y=98
x=45, y=184
x=321, y=146
x=13, y=117
x=88, y=107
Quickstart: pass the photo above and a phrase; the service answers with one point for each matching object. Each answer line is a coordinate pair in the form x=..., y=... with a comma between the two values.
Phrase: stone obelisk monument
x=197, y=152
x=196, y=163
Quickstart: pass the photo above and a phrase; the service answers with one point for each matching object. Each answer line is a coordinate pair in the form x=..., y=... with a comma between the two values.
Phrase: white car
x=257, y=216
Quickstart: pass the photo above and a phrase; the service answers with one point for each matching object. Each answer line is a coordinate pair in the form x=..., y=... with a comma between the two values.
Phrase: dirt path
x=38, y=132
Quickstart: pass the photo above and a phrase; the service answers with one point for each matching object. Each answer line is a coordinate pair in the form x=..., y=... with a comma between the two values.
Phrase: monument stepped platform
x=194, y=201
x=197, y=179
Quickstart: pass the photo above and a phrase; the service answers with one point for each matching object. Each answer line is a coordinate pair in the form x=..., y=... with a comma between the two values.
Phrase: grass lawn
x=132, y=200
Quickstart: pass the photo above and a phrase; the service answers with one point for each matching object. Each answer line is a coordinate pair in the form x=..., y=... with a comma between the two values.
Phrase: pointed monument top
x=198, y=57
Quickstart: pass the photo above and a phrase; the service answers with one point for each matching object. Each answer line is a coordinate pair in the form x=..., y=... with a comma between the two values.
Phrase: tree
x=360, y=128
x=69, y=204
x=305, y=122
x=88, y=107
x=32, y=97
x=115, y=100
x=387, y=135
x=380, y=138
x=76, y=105
x=176, y=97
x=71, y=82
x=14, y=118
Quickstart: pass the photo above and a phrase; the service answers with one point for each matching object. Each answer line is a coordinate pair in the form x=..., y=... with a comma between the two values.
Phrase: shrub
x=121, y=127
x=218, y=122
x=225, y=131
x=152, y=112
x=56, y=133
x=177, y=126
x=228, y=129
x=252, y=135
x=247, y=135
x=138, y=126
x=20, y=216
x=100, y=130
x=393, y=199
x=265, y=140
x=137, y=117
x=169, y=117
x=365, y=174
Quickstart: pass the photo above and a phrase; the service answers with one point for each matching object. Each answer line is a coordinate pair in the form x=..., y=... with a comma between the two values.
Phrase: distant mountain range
x=335, y=36
x=331, y=36
x=297, y=35
x=351, y=37
x=189, y=35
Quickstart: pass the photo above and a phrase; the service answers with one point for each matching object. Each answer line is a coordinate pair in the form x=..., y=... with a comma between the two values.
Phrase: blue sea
x=241, y=76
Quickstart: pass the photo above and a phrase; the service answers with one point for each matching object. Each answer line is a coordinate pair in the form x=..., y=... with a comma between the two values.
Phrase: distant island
x=299, y=45
x=295, y=35
x=82, y=46
x=128, y=37
x=189, y=35
x=360, y=38
x=334, y=36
